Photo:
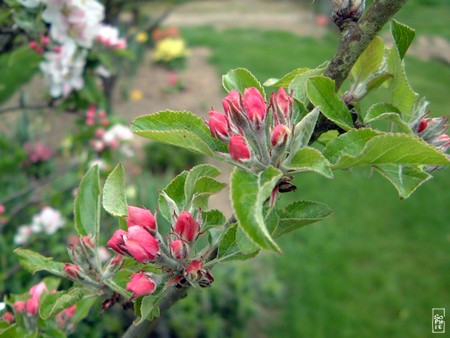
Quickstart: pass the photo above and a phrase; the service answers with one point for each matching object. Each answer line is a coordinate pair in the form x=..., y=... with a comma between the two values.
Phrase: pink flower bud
x=232, y=102
x=141, y=245
x=70, y=311
x=39, y=49
x=179, y=249
x=90, y=122
x=91, y=112
x=87, y=241
x=172, y=79
x=45, y=40
x=194, y=270
x=102, y=114
x=140, y=285
x=238, y=148
x=8, y=317
x=72, y=271
x=2, y=209
x=99, y=133
x=218, y=125
x=422, y=125
x=187, y=227
x=283, y=102
x=38, y=289
x=33, y=44
x=32, y=305
x=117, y=242
x=121, y=44
x=280, y=135
x=117, y=260
x=141, y=217
x=254, y=105
x=104, y=122
x=19, y=306
x=114, y=143
x=57, y=49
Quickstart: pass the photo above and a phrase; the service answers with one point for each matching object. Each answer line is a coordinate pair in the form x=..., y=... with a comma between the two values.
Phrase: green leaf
x=212, y=218
x=114, y=197
x=175, y=192
x=113, y=285
x=299, y=214
x=386, y=111
x=204, y=188
x=149, y=308
x=83, y=308
x=33, y=262
x=403, y=36
x=298, y=84
x=352, y=142
x=248, y=194
x=387, y=149
x=228, y=248
x=369, y=61
x=179, y=128
x=203, y=170
x=87, y=204
x=53, y=303
x=16, y=69
x=310, y=159
x=286, y=80
x=377, y=80
x=302, y=132
x=8, y=330
x=403, y=97
x=320, y=90
x=406, y=179
x=239, y=79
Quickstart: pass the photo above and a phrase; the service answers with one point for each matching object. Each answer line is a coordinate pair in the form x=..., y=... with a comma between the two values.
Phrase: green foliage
x=403, y=36
x=321, y=92
x=53, y=303
x=182, y=129
x=248, y=194
x=114, y=198
x=87, y=204
x=33, y=262
x=13, y=74
x=239, y=79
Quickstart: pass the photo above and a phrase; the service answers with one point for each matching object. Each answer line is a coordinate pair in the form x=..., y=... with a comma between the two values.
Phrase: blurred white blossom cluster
x=75, y=25
x=48, y=221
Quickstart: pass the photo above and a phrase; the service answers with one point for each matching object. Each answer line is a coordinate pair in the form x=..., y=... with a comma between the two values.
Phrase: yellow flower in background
x=141, y=37
x=136, y=95
x=170, y=49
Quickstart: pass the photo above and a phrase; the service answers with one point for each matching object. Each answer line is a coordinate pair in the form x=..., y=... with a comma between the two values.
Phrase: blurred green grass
x=379, y=265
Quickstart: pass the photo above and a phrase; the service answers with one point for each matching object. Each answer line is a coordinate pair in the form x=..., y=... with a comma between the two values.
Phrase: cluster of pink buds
x=31, y=306
x=39, y=47
x=8, y=317
x=37, y=152
x=254, y=139
x=91, y=116
x=63, y=319
x=433, y=131
x=176, y=258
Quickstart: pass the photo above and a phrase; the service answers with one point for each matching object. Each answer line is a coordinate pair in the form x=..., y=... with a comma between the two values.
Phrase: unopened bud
x=194, y=270
x=238, y=148
x=141, y=217
x=8, y=317
x=255, y=106
x=187, y=227
x=346, y=10
x=422, y=126
x=280, y=135
x=141, y=284
x=19, y=306
x=72, y=271
x=218, y=125
x=179, y=249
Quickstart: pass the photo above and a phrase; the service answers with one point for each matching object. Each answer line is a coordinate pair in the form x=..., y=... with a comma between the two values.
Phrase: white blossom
x=49, y=220
x=118, y=132
x=79, y=20
x=23, y=235
x=63, y=69
x=109, y=36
